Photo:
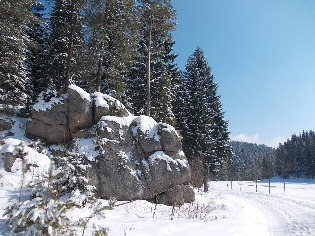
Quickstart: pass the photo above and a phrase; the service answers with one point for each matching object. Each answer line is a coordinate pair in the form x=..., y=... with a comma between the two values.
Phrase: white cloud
x=256, y=139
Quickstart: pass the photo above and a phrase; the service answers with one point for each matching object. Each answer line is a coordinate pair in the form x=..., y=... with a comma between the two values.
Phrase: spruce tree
x=16, y=18
x=202, y=125
x=112, y=41
x=66, y=39
x=36, y=56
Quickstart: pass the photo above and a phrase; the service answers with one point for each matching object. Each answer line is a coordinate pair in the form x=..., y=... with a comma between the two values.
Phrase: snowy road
x=278, y=213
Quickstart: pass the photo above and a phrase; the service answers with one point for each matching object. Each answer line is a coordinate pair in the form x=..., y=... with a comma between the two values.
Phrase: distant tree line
x=250, y=161
x=120, y=47
x=294, y=158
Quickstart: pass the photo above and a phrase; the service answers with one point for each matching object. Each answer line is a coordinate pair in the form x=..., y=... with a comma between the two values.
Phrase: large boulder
x=105, y=105
x=50, y=118
x=131, y=157
x=79, y=109
x=170, y=140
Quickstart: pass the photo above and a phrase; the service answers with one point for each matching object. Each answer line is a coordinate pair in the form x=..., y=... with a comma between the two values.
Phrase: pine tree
x=66, y=43
x=204, y=131
x=152, y=75
x=16, y=18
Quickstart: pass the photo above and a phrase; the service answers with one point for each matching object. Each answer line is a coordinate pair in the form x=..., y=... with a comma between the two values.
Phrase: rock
x=169, y=139
x=9, y=159
x=166, y=172
x=105, y=105
x=50, y=120
x=113, y=128
x=51, y=133
x=5, y=125
x=131, y=157
x=145, y=131
x=117, y=177
x=79, y=109
x=176, y=196
x=188, y=194
x=149, y=145
x=85, y=133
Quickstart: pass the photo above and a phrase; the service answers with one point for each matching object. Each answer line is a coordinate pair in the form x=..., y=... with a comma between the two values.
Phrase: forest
x=295, y=158
x=123, y=48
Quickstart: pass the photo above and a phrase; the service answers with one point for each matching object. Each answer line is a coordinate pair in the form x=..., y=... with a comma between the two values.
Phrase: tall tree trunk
x=70, y=48
x=205, y=184
x=99, y=75
x=100, y=61
x=149, y=64
x=205, y=177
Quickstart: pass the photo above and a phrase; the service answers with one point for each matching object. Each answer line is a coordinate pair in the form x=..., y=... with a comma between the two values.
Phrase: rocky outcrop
x=79, y=109
x=131, y=157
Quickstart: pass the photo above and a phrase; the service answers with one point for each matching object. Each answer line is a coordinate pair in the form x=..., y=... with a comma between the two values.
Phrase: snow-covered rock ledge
x=132, y=157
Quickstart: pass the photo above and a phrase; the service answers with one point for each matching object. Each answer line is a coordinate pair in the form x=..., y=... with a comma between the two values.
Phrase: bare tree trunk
x=269, y=185
x=284, y=185
x=99, y=75
x=70, y=48
x=256, y=185
x=149, y=64
x=205, y=184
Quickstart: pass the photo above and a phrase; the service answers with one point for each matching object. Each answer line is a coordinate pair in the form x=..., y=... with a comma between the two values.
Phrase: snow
x=147, y=125
x=122, y=121
x=225, y=210
x=104, y=100
x=222, y=211
x=160, y=155
x=80, y=91
x=169, y=128
x=42, y=105
x=101, y=99
x=87, y=147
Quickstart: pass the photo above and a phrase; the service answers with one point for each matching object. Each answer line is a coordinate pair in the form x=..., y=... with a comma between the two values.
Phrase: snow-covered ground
x=239, y=210
x=223, y=211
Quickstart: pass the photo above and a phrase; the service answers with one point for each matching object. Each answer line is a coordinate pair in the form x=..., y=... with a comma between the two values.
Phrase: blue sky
x=262, y=55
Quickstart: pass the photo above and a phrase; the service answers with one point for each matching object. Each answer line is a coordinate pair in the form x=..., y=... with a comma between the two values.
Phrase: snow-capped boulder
x=170, y=141
x=50, y=118
x=79, y=109
x=131, y=157
x=105, y=105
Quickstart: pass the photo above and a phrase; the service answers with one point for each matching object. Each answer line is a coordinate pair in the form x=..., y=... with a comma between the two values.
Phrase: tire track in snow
x=298, y=218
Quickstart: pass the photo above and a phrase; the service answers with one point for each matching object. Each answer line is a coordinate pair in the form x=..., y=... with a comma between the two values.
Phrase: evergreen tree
x=112, y=41
x=36, y=56
x=152, y=76
x=296, y=157
x=165, y=75
x=203, y=128
x=16, y=18
x=66, y=41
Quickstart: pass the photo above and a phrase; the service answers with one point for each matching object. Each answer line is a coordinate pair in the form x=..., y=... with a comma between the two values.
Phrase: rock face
x=50, y=119
x=5, y=125
x=131, y=157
